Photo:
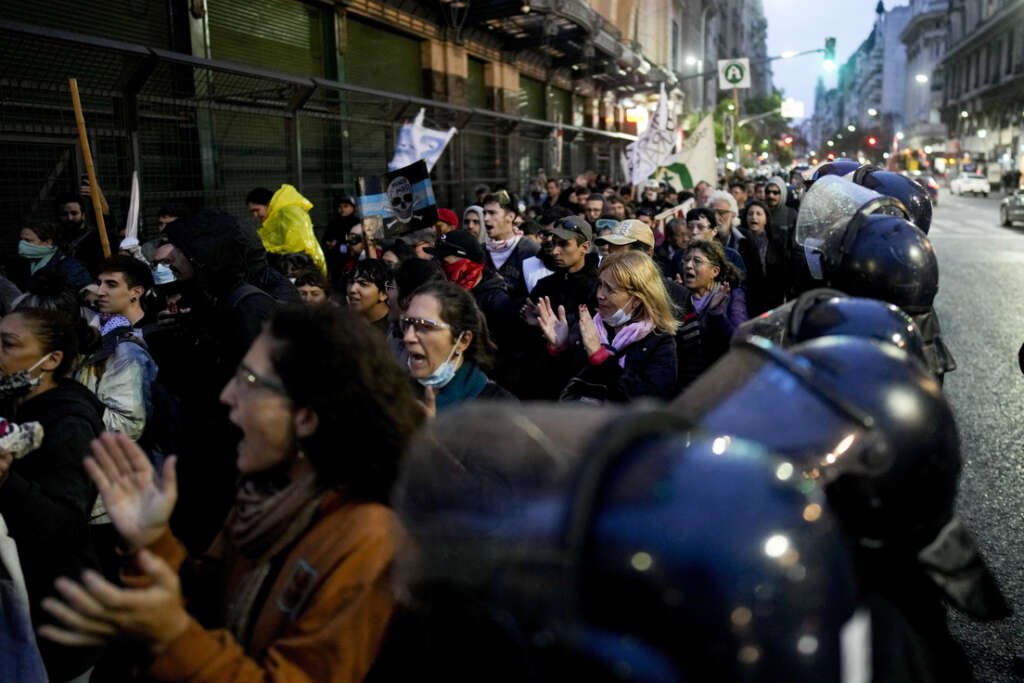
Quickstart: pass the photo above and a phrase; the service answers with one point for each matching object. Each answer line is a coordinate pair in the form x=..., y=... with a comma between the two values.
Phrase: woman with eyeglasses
x=449, y=347
x=715, y=308
x=298, y=578
x=626, y=351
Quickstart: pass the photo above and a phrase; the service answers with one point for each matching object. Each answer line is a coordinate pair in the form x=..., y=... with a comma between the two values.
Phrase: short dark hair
x=503, y=199
x=259, y=195
x=674, y=224
x=530, y=227
x=45, y=231
x=555, y=213
x=742, y=184
x=70, y=199
x=312, y=278
x=695, y=214
x=135, y=272
x=176, y=209
x=714, y=250
x=459, y=309
x=596, y=197
x=376, y=271
x=343, y=371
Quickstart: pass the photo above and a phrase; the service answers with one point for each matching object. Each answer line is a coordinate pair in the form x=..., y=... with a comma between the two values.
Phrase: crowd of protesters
x=260, y=336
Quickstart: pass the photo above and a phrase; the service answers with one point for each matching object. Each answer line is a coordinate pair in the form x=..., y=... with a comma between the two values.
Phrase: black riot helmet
x=829, y=312
x=872, y=425
x=610, y=545
x=886, y=257
x=913, y=197
x=838, y=167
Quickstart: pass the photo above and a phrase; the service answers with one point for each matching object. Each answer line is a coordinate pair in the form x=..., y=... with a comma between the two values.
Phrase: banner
x=653, y=147
x=403, y=199
x=415, y=142
x=694, y=162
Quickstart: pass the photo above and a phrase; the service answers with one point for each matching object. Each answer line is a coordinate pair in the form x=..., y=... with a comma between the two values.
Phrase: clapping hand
x=554, y=327
x=139, y=504
x=95, y=611
x=719, y=296
x=530, y=313
x=591, y=342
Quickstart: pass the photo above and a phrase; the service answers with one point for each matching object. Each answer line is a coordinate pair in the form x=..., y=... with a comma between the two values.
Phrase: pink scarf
x=626, y=335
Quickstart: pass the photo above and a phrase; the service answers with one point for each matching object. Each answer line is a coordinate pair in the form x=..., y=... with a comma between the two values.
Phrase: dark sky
x=799, y=25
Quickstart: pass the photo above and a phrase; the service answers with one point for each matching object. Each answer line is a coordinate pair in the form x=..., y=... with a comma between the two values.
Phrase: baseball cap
x=572, y=228
x=459, y=243
x=448, y=216
x=627, y=232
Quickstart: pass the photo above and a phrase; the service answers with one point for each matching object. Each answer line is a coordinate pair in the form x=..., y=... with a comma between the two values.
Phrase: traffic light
x=788, y=139
x=830, y=54
x=872, y=141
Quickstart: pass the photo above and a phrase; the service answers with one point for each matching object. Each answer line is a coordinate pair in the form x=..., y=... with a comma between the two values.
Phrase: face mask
x=163, y=275
x=20, y=383
x=34, y=251
x=463, y=272
x=618, y=318
x=444, y=373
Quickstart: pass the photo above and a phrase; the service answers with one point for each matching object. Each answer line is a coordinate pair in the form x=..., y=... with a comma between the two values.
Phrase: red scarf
x=464, y=273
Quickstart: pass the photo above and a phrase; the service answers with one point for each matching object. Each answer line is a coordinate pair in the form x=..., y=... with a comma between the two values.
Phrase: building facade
x=982, y=74
x=924, y=38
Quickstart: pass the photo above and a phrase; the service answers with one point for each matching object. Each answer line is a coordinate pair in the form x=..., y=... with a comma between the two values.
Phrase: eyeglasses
x=246, y=378
x=421, y=325
x=698, y=226
x=697, y=261
x=772, y=192
x=722, y=212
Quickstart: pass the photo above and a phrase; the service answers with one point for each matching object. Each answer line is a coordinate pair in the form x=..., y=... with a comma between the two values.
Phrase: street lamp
x=899, y=135
x=851, y=128
x=921, y=78
x=872, y=112
x=690, y=60
x=964, y=114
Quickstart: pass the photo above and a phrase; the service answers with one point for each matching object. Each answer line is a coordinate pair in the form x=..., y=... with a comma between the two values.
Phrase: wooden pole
x=94, y=187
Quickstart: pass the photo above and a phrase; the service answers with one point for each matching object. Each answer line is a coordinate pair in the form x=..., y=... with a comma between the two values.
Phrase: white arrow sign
x=733, y=73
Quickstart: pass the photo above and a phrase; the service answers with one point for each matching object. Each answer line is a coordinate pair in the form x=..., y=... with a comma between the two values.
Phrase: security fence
x=205, y=132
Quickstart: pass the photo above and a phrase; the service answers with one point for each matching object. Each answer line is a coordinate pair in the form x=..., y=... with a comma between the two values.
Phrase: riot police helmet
x=837, y=167
x=625, y=546
x=913, y=197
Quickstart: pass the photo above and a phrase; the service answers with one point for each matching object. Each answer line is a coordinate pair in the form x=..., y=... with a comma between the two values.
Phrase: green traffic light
x=830, y=54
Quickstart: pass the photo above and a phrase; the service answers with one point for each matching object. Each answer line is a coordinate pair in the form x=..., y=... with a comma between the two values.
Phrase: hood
x=217, y=244
x=287, y=195
x=781, y=184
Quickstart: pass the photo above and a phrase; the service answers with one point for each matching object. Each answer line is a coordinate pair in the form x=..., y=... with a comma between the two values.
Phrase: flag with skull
x=403, y=199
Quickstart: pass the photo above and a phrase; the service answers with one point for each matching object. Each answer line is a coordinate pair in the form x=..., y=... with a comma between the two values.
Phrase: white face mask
x=618, y=318
x=444, y=372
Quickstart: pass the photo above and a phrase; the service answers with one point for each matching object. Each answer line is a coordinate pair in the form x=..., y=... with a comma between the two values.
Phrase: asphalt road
x=981, y=277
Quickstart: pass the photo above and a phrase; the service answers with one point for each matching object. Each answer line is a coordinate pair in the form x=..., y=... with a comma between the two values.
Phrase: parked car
x=973, y=183
x=1011, y=209
x=927, y=181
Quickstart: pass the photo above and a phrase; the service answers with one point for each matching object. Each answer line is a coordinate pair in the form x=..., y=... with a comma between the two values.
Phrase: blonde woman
x=627, y=350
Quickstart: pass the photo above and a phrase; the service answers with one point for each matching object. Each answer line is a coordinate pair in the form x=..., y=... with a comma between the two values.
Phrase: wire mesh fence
x=203, y=132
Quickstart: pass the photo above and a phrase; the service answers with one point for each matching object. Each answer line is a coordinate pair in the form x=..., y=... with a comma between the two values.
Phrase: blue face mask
x=35, y=251
x=444, y=372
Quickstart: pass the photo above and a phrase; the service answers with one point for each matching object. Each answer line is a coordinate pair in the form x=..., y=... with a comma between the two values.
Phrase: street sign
x=733, y=73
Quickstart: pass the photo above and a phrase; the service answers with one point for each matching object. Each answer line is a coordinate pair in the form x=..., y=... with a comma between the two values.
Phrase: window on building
x=1009, y=52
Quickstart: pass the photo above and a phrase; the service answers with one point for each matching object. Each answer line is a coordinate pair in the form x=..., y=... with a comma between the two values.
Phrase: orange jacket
x=324, y=617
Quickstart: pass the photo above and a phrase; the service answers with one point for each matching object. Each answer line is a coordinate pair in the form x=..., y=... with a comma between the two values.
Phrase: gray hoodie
x=479, y=211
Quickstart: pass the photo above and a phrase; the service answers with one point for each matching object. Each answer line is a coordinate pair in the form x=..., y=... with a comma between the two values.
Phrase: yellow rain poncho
x=289, y=228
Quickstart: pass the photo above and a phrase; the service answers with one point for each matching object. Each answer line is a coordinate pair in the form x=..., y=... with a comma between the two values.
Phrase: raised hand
x=529, y=313
x=588, y=333
x=554, y=327
x=719, y=296
x=139, y=503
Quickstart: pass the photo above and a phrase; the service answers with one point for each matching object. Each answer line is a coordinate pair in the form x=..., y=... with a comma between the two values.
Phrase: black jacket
x=506, y=329
x=570, y=289
x=512, y=269
x=649, y=370
x=47, y=500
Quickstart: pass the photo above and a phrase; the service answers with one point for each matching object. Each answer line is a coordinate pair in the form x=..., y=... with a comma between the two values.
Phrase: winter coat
x=704, y=336
x=46, y=501
x=512, y=269
x=121, y=373
x=649, y=370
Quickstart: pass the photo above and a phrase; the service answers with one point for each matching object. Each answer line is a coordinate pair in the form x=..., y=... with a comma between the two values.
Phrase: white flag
x=694, y=162
x=415, y=142
x=130, y=243
x=653, y=147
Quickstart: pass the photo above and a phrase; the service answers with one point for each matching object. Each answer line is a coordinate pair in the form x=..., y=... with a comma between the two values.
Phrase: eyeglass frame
x=404, y=322
x=253, y=379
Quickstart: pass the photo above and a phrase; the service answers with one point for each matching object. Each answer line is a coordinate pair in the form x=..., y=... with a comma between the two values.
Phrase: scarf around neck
x=468, y=382
x=501, y=251
x=626, y=335
x=265, y=520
